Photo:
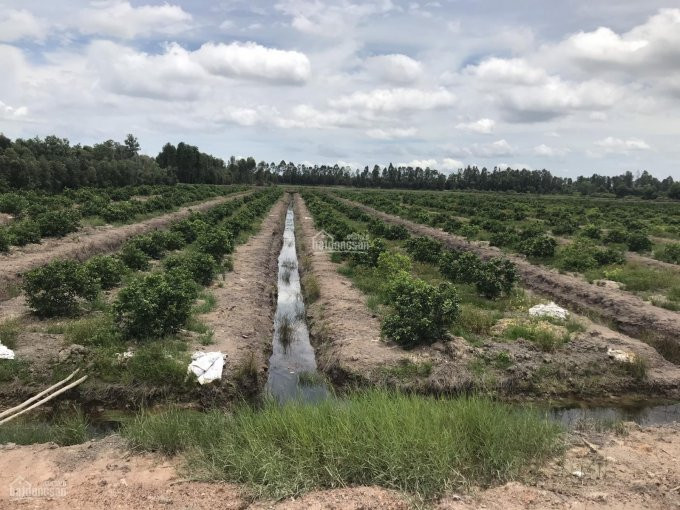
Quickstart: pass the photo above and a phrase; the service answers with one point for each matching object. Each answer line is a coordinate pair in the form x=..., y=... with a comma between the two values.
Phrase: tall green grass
x=412, y=443
x=67, y=429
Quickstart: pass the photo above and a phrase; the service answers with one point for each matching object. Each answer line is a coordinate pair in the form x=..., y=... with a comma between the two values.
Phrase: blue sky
x=575, y=87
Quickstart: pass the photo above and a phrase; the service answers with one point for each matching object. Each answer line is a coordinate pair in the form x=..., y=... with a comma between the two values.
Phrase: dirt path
x=637, y=470
x=345, y=333
x=87, y=242
x=243, y=318
x=629, y=313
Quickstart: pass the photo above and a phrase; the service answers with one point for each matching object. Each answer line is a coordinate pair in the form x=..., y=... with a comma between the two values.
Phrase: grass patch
x=67, y=429
x=9, y=332
x=311, y=379
x=407, y=369
x=97, y=330
x=637, y=368
x=548, y=339
x=475, y=320
x=205, y=303
x=310, y=288
x=13, y=369
x=406, y=442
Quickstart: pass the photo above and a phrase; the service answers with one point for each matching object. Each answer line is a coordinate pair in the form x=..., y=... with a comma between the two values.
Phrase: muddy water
x=292, y=353
x=642, y=413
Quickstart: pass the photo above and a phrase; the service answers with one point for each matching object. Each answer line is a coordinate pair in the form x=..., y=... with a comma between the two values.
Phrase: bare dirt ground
x=629, y=313
x=637, y=470
x=243, y=318
x=87, y=242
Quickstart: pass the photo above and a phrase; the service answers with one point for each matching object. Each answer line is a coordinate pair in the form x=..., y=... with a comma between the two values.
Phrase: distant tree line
x=53, y=164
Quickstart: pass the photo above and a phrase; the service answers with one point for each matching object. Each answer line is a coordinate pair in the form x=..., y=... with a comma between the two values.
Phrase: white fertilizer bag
x=550, y=310
x=206, y=366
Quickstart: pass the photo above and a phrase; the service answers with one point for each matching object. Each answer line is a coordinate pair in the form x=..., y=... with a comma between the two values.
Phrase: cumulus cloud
x=611, y=145
x=395, y=100
x=250, y=60
x=548, y=151
x=8, y=112
x=529, y=94
x=484, y=126
x=451, y=164
x=391, y=133
x=396, y=68
x=16, y=25
x=122, y=20
x=487, y=150
x=422, y=163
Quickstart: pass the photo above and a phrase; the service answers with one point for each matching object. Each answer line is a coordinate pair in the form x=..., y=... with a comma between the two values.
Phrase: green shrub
x=12, y=203
x=133, y=257
x=156, y=305
x=421, y=313
x=149, y=246
x=503, y=238
x=670, y=253
x=168, y=240
x=24, y=232
x=58, y=223
x=496, y=277
x=390, y=264
x=106, y=269
x=423, y=249
x=606, y=256
x=591, y=231
x=459, y=266
x=639, y=242
x=59, y=287
x=538, y=246
x=369, y=258
x=396, y=232
x=578, y=256
x=201, y=266
x=616, y=236
x=4, y=240
x=214, y=241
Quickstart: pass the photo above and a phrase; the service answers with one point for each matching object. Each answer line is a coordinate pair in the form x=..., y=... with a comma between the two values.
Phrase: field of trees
x=448, y=321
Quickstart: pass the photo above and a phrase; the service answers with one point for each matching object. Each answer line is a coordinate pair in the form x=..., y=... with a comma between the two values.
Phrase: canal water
x=292, y=365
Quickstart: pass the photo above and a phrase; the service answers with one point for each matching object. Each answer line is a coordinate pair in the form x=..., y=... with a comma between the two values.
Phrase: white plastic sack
x=6, y=352
x=206, y=366
x=622, y=356
x=549, y=310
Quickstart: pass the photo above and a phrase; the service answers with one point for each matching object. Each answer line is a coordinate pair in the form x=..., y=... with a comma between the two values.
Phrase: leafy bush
x=133, y=257
x=156, y=305
x=420, y=312
x=423, y=249
x=369, y=258
x=189, y=228
x=106, y=269
x=503, y=238
x=12, y=203
x=390, y=264
x=168, y=240
x=579, y=256
x=4, y=239
x=496, y=277
x=459, y=266
x=563, y=228
x=591, y=231
x=201, y=266
x=638, y=241
x=616, y=236
x=396, y=232
x=606, y=256
x=669, y=253
x=59, y=287
x=24, y=232
x=149, y=246
x=538, y=246
x=58, y=223
x=214, y=241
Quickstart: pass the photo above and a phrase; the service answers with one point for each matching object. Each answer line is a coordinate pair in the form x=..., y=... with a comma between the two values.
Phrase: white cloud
x=498, y=148
x=250, y=60
x=509, y=71
x=548, y=151
x=391, y=133
x=422, y=163
x=395, y=68
x=485, y=126
x=451, y=164
x=8, y=112
x=395, y=100
x=16, y=25
x=611, y=145
x=122, y=20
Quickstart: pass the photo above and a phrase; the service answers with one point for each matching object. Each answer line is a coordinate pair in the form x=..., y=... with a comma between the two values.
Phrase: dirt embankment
x=629, y=313
x=88, y=242
x=243, y=318
x=345, y=334
x=637, y=470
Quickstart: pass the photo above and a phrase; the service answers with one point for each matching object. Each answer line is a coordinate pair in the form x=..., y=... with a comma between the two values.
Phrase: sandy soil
x=638, y=470
x=345, y=333
x=87, y=242
x=243, y=318
x=629, y=313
